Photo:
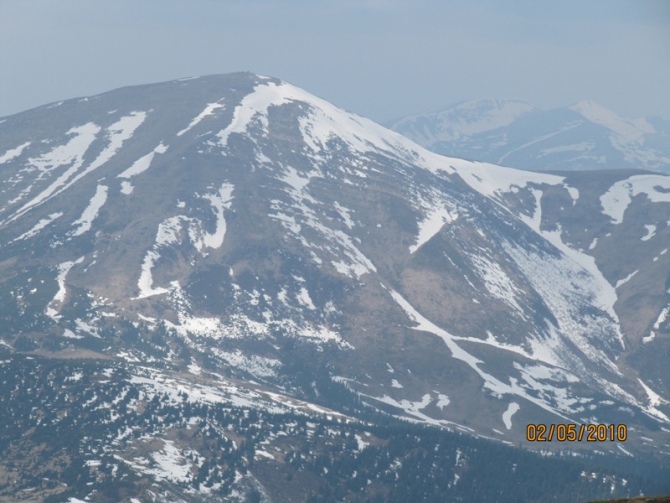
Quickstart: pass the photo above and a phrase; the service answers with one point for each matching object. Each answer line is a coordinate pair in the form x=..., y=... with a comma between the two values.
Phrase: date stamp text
x=576, y=432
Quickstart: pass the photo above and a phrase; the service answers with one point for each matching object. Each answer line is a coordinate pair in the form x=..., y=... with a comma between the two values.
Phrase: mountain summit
x=240, y=240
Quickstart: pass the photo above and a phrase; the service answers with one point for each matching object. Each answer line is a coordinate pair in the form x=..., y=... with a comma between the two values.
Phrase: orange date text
x=576, y=432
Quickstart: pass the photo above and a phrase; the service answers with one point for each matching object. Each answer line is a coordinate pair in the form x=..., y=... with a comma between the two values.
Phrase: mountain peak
x=630, y=130
x=243, y=225
x=462, y=120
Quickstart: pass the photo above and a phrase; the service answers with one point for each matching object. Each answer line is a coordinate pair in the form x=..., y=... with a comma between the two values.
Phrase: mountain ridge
x=237, y=229
x=582, y=136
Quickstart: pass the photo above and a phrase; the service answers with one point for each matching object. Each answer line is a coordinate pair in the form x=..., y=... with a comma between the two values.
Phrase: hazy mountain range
x=584, y=136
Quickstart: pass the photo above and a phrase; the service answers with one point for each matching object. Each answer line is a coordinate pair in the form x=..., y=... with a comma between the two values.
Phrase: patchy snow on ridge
x=323, y=121
x=631, y=131
x=91, y=212
x=350, y=261
x=619, y=196
x=38, y=226
x=496, y=386
x=254, y=106
x=596, y=287
x=304, y=299
x=497, y=282
x=462, y=120
x=625, y=280
x=146, y=281
x=118, y=133
x=63, y=270
x=209, y=110
x=436, y=218
x=344, y=214
x=259, y=366
x=143, y=163
x=220, y=202
x=72, y=153
x=442, y=401
x=169, y=233
x=492, y=181
x=654, y=401
x=13, y=153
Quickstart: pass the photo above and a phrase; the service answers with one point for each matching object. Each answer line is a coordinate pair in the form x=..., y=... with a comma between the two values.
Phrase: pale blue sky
x=379, y=58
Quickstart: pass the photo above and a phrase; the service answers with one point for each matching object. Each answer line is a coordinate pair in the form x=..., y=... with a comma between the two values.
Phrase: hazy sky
x=379, y=58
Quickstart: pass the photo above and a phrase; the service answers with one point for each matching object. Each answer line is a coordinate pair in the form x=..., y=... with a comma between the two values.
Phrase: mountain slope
x=585, y=136
x=240, y=230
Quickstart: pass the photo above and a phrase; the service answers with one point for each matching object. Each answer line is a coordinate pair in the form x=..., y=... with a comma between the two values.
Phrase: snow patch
x=619, y=196
x=594, y=285
x=304, y=299
x=209, y=110
x=38, y=227
x=654, y=401
x=169, y=233
x=13, y=153
x=91, y=212
x=625, y=280
x=648, y=338
x=72, y=153
x=493, y=181
x=651, y=231
x=661, y=317
x=170, y=464
x=497, y=282
x=361, y=443
x=146, y=281
x=442, y=401
x=220, y=202
x=431, y=225
x=59, y=298
x=126, y=188
x=344, y=215
x=490, y=382
x=259, y=366
x=507, y=415
x=143, y=163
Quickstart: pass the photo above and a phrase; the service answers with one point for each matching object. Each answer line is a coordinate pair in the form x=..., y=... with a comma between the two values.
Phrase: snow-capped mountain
x=584, y=136
x=236, y=240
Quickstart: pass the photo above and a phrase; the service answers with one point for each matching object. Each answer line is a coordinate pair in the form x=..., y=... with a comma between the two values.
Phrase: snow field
x=73, y=154
x=619, y=196
x=91, y=212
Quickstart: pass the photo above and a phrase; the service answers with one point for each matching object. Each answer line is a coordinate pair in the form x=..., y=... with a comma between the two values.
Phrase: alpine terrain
x=227, y=289
x=584, y=136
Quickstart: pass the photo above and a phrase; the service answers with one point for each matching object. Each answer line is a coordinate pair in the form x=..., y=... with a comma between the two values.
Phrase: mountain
x=226, y=286
x=584, y=136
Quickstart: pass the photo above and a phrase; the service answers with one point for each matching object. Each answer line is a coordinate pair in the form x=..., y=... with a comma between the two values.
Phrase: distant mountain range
x=227, y=289
x=584, y=136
